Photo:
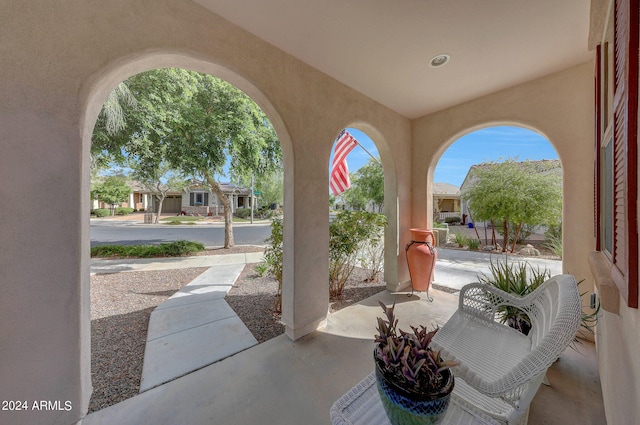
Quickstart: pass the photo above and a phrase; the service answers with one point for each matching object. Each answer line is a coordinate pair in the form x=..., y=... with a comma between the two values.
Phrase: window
x=616, y=147
x=198, y=199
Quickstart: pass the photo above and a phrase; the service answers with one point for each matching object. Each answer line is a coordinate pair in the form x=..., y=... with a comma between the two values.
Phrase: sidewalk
x=100, y=265
x=195, y=327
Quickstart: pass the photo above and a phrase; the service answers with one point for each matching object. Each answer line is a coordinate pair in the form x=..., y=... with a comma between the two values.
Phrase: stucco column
x=305, y=288
x=44, y=258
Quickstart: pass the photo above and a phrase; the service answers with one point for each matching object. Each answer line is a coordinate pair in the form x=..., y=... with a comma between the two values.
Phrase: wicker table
x=362, y=405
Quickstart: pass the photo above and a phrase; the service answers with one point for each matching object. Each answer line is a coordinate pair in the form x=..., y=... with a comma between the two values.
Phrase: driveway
x=455, y=268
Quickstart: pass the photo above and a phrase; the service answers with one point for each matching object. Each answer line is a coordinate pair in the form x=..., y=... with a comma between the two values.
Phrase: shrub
x=554, y=232
x=461, y=239
x=554, y=245
x=181, y=247
x=144, y=251
x=519, y=279
x=102, y=212
x=474, y=244
x=347, y=234
x=123, y=211
x=350, y=233
x=554, y=240
x=372, y=251
x=266, y=213
x=272, y=262
x=175, y=221
x=168, y=249
x=243, y=212
x=108, y=251
x=139, y=251
x=453, y=220
x=261, y=268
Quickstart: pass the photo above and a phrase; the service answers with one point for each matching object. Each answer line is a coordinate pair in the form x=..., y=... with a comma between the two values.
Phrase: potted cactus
x=414, y=382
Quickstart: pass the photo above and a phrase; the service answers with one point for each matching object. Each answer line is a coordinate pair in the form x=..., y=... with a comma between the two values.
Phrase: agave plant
x=407, y=357
x=518, y=279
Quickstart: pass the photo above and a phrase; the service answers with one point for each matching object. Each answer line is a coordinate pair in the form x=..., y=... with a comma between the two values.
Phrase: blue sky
x=488, y=144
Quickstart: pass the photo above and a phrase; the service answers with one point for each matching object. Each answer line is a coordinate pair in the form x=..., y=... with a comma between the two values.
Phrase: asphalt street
x=111, y=232
x=454, y=268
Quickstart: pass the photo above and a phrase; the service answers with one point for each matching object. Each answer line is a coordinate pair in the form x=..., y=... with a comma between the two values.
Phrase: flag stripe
x=339, y=181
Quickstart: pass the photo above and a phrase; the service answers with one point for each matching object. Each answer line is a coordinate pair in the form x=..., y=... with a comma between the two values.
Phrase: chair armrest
x=563, y=318
x=484, y=301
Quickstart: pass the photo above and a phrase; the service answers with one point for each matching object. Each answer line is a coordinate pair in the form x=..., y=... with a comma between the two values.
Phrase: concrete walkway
x=195, y=327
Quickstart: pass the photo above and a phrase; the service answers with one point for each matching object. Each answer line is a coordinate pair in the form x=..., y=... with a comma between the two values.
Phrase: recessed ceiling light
x=439, y=60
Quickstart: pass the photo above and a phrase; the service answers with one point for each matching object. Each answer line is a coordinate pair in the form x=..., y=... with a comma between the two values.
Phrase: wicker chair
x=500, y=368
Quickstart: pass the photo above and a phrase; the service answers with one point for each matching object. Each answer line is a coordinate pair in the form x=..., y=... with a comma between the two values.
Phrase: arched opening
x=460, y=160
x=376, y=143
x=357, y=223
x=110, y=79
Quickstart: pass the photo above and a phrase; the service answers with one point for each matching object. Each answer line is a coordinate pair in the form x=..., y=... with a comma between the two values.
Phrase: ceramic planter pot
x=421, y=258
x=407, y=408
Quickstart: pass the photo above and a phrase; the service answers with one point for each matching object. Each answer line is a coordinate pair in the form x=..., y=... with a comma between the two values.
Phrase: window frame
x=616, y=114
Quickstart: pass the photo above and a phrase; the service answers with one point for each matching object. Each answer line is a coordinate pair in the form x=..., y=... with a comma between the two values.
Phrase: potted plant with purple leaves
x=414, y=381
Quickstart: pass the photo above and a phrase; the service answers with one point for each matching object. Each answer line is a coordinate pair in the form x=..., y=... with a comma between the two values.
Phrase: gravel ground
x=253, y=297
x=121, y=304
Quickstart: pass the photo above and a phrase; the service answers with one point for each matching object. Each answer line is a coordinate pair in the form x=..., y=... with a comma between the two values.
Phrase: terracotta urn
x=421, y=258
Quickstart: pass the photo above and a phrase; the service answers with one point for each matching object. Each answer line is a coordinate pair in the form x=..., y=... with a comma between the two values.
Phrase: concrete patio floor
x=296, y=382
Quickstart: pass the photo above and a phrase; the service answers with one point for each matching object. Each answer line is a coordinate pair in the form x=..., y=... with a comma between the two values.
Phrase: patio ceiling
x=383, y=48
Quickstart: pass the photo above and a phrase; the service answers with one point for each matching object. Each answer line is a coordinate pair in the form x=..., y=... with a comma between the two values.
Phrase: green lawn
x=181, y=219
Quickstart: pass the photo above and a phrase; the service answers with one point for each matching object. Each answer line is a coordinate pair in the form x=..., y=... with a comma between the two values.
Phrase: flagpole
x=365, y=149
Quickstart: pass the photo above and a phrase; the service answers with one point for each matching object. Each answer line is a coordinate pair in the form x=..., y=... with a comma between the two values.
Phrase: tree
x=367, y=186
x=220, y=121
x=514, y=192
x=111, y=121
x=158, y=179
x=112, y=191
x=270, y=187
x=195, y=123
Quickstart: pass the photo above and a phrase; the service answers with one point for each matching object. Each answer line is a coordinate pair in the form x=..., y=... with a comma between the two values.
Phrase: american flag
x=339, y=181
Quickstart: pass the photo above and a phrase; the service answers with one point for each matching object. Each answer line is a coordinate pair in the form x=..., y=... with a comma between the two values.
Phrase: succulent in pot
x=414, y=381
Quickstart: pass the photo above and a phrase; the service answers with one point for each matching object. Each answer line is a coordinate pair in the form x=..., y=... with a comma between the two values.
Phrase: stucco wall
x=618, y=342
x=60, y=60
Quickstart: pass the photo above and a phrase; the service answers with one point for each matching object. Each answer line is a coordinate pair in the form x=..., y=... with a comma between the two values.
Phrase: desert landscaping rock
x=121, y=304
x=529, y=250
